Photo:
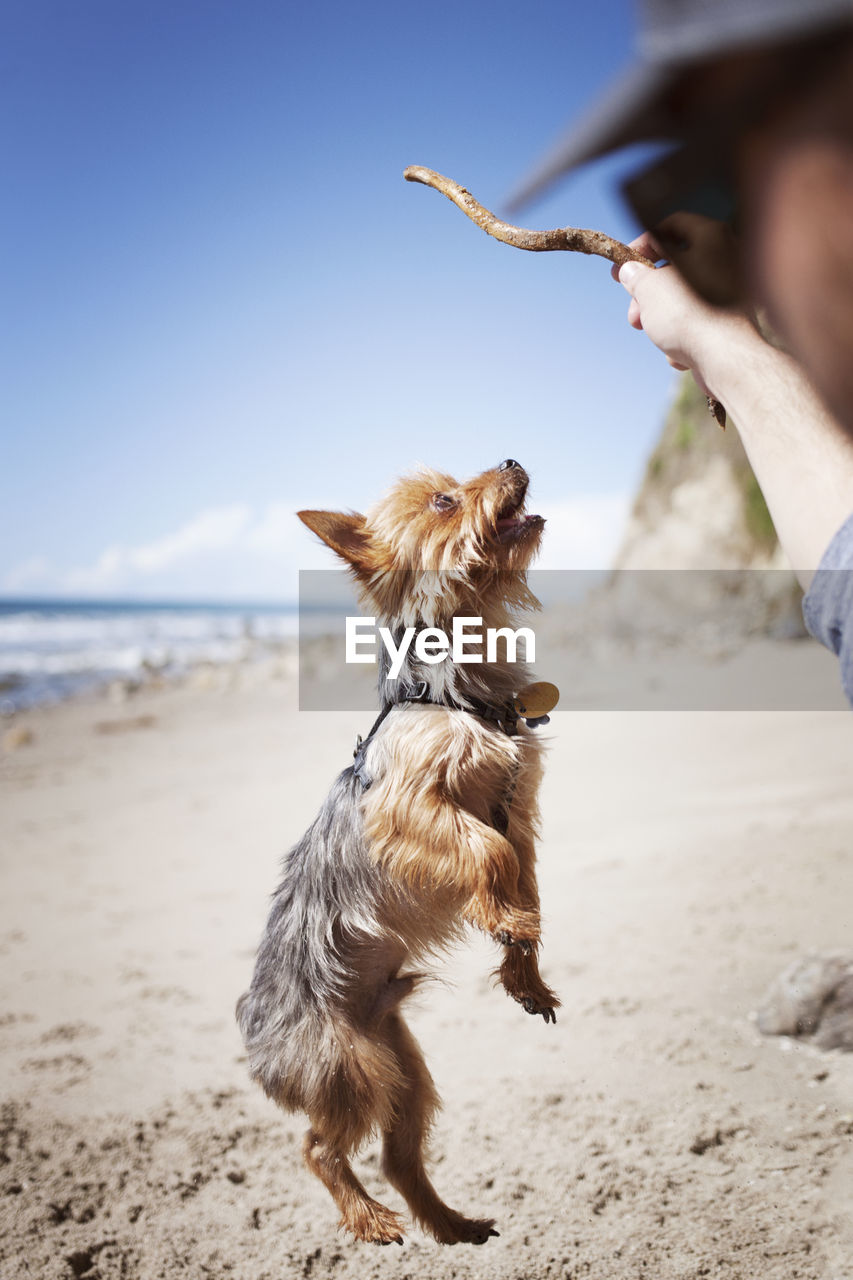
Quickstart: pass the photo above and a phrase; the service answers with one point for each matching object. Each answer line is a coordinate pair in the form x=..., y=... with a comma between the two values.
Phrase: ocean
x=54, y=649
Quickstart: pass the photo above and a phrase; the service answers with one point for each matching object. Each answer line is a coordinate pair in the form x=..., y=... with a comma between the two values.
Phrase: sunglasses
x=689, y=201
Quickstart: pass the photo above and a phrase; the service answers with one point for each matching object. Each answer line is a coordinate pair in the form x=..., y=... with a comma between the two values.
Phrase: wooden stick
x=571, y=239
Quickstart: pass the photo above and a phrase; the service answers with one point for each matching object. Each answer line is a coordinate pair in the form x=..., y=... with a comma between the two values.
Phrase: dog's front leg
x=430, y=840
x=520, y=978
x=519, y=971
x=491, y=871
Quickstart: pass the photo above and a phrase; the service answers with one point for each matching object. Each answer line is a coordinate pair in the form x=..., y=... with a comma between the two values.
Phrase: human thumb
x=630, y=274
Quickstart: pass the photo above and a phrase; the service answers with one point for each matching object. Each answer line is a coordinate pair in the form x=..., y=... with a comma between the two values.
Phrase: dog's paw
x=453, y=1228
x=507, y=939
x=529, y=1005
x=374, y=1224
x=479, y=1231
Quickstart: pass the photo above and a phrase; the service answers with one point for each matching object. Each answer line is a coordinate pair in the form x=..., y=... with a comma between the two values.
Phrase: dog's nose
x=508, y=464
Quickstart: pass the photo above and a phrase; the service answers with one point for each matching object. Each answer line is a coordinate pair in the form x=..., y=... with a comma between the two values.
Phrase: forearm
x=802, y=458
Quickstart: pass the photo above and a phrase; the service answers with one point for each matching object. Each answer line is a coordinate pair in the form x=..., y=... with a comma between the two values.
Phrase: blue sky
x=221, y=301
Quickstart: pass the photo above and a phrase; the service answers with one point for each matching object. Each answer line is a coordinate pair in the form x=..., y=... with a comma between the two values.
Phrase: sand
x=687, y=858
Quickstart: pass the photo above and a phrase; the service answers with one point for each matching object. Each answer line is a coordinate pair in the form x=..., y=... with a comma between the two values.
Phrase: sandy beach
x=687, y=858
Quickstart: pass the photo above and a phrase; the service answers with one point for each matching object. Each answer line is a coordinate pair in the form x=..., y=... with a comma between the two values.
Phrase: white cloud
x=212, y=530
x=273, y=532
x=33, y=573
x=107, y=571
x=215, y=530
x=583, y=532
x=234, y=552
x=227, y=551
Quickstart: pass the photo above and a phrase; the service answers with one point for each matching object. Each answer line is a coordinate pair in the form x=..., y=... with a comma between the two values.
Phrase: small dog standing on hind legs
x=432, y=827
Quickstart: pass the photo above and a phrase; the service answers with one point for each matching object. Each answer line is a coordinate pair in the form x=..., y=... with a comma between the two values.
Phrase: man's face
x=796, y=179
x=778, y=142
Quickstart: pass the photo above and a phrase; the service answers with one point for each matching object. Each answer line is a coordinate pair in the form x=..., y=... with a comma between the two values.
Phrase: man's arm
x=802, y=458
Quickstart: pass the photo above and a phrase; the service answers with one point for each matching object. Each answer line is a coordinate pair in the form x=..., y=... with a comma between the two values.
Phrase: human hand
x=688, y=331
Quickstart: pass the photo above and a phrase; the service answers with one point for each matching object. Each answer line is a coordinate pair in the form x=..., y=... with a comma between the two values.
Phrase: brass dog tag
x=537, y=699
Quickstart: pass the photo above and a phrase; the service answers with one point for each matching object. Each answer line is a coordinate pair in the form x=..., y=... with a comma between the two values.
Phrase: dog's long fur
x=389, y=875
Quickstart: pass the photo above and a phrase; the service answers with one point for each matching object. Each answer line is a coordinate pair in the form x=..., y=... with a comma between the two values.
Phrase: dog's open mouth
x=512, y=522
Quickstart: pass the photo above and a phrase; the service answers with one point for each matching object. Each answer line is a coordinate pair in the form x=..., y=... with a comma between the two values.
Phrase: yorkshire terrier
x=432, y=827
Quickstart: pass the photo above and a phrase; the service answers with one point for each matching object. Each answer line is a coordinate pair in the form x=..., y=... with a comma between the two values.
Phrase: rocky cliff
x=699, y=508
x=699, y=505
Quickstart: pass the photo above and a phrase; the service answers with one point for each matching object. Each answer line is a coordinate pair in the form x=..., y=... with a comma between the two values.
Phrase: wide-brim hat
x=674, y=37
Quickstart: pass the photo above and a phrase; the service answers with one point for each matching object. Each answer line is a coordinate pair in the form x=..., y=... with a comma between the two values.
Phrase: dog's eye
x=442, y=502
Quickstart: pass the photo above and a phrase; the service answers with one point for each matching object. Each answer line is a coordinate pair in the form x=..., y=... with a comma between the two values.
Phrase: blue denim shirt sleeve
x=828, y=604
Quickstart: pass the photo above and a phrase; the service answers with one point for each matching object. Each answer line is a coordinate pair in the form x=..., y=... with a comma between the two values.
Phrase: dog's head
x=433, y=547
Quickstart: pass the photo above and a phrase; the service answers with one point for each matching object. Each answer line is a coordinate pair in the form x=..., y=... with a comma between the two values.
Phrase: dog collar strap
x=504, y=716
x=419, y=693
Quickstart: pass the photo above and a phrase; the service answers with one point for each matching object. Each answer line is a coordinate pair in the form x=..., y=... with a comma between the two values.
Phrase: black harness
x=504, y=716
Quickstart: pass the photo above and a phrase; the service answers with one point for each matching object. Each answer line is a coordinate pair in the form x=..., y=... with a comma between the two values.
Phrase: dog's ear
x=345, y=532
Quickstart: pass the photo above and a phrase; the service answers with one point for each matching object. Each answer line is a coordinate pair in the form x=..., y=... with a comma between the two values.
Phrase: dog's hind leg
x=354, y=1100
x=365, y=1217
x=404, y=1140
